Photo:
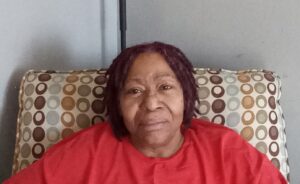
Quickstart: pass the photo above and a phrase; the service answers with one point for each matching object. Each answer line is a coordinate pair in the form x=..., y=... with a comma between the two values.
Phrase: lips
x=152, y=125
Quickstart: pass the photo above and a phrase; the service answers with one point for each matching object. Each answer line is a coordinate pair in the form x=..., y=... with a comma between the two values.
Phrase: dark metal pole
x=122, y=5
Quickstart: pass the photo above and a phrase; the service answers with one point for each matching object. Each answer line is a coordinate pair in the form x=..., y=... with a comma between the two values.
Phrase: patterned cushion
x=54, y=105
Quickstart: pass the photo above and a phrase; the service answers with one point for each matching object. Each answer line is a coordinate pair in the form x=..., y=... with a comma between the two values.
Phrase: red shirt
x=210, y=154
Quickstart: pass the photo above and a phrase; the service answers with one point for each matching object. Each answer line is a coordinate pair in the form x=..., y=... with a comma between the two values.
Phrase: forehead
x=150, y=65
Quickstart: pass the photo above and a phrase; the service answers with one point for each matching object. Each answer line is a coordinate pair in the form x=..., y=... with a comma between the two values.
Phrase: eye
x=165, y=87
x=134, y=91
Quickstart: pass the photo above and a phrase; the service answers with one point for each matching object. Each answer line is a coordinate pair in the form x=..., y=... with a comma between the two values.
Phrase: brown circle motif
x=271, y=88
x=41, y=88
x=274, y=152
x=68, y=103
x=66, y=132
x=220, y=119
x=244, y=78
x=98, y=91
x=247, y=102
x=246, y=88
x=83, y=121
x=39, y=102
x=273, y=117
x=273, y=132
x=246, y=120
x=98, y=106
x=216, y=79
x=67, y=119
x=100, y=80
x=269, y=77
x=69, y=89
x=247, y=133
x=44, y=77
x=218, y=106
x=72, y=78
x=38, y=118
x=217, y=91
x=272, y=102
x=38, y=150
x=38, y=134
x=97, y=119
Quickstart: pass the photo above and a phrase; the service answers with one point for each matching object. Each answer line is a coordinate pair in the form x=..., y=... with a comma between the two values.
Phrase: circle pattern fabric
x=54, y=105
x=247, y=102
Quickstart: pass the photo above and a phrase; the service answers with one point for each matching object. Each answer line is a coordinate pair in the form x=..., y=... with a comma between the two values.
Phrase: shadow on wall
x=8, y=121
x=235, y=61
x=50, y=54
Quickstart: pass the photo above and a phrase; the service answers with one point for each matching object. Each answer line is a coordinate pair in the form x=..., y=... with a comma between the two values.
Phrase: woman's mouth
x=152, y=125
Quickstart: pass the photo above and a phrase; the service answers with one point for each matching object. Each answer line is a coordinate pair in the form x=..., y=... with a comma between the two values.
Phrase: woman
x=150, y=136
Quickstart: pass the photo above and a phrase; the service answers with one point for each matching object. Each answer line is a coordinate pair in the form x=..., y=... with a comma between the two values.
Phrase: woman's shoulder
x=71, y=156
x=84, y=138
x=222, y=146
x=202, y=125
x=213, y=133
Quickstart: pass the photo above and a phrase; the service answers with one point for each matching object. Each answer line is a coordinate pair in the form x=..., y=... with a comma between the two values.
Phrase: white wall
x=57, y=35
x=231, y=34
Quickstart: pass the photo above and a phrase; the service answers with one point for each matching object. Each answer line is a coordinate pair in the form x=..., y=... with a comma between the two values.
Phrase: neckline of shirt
x=132, y=151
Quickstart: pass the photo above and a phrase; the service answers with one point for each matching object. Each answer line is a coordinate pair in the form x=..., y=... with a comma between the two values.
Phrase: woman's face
x=151, y=102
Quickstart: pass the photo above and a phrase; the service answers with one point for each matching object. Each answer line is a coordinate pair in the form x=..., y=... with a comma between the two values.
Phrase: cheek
x=128, y=111
x=176, y=104
x=179, y=108
x=178, y=113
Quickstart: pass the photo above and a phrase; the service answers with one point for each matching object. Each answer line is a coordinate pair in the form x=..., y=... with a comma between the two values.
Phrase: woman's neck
x=160, y=151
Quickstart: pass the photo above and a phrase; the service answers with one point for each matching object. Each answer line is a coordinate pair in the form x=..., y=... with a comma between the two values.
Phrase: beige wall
x=231, y=34
x=52, y=35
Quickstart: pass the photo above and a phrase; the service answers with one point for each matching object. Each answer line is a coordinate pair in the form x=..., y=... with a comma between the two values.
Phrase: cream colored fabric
x=54, y=105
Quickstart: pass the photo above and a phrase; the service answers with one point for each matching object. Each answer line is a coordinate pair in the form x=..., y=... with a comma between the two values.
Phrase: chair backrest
x=55, y=104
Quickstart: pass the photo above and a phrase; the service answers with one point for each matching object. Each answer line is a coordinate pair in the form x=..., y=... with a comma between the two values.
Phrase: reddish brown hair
x=118, y=71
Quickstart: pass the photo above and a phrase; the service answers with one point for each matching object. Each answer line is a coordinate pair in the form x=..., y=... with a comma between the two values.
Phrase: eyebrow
x=156, y=77
x=163, y=75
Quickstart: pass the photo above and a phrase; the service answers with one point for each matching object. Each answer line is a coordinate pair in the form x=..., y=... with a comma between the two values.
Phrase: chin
x=155, y=139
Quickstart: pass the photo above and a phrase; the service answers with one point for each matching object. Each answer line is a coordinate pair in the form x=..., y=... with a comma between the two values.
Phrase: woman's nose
x=151, y=101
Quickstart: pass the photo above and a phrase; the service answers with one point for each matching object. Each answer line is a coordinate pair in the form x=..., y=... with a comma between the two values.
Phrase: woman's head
x=133, y=61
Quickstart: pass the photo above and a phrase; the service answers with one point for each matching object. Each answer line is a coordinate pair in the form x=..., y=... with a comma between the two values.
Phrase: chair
x=55, y=104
